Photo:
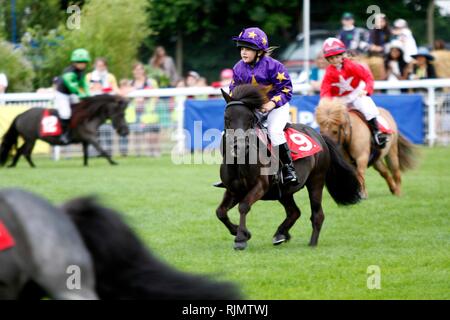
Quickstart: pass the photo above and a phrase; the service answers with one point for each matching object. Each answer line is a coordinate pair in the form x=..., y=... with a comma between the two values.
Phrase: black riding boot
x=379, y=137
x=64, y=138
x=287, y=169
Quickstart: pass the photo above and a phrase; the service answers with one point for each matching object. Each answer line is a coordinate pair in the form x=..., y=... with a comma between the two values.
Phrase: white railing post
x=56, y=153
x=431, y=116
x=180, y=138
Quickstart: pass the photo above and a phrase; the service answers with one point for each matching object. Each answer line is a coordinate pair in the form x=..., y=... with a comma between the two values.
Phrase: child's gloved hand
x=269, y=106
x=362, y=93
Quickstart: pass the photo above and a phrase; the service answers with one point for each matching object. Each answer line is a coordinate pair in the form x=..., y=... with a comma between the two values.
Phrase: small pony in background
x=348, y=128
x=43, y=248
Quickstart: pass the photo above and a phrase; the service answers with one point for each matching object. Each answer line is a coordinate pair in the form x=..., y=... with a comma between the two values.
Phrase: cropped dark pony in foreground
x=50, y=243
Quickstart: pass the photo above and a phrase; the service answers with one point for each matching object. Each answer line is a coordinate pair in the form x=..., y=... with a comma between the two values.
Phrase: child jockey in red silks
x=258, y=68
x=351, y=81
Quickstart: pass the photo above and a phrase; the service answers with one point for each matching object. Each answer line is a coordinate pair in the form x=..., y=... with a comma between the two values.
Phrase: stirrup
x=64, y=138
x=380, y=139
x=289, y=175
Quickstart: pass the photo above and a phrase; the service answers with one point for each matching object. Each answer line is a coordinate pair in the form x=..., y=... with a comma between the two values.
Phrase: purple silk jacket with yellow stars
x=268, y=73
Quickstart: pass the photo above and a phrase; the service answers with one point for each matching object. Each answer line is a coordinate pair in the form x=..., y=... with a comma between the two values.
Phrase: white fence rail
x=166, y=130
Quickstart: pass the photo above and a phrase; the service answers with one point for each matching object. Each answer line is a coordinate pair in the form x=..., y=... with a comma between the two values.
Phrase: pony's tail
x=406, y=154
x=341, y=180
x=9, y=141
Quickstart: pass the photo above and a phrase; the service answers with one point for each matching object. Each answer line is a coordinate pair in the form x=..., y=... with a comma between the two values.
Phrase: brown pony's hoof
x=240, y=245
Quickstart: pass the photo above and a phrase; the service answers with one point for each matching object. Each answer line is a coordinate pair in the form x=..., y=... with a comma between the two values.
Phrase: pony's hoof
x=113, y=163
x=240, y=245
x=279, y=239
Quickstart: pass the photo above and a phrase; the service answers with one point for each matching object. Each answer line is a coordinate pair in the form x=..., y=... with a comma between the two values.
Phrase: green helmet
x=80, y=55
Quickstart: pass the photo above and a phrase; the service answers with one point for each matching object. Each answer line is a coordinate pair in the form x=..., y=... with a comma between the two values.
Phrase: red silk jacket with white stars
x=268, y=73
x=338, y=83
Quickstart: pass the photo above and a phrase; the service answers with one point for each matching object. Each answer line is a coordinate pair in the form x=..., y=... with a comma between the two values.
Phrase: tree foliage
x=17, y=68
x=113, y=29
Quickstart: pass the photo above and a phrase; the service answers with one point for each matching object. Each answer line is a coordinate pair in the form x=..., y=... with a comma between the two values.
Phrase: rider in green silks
x=72, y=86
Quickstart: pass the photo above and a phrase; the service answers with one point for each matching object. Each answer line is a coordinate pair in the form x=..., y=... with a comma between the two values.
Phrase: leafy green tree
x=16, y=67
x=45, y=13
x=113, y=29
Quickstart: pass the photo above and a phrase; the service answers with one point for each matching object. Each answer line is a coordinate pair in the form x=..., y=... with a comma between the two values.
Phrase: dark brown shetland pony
x=352, y=133
x=87, y=117
x=246, y=182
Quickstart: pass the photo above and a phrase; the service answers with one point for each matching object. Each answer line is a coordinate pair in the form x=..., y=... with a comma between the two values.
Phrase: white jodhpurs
x=276, y=121
x=62, y=104
x=366, y=106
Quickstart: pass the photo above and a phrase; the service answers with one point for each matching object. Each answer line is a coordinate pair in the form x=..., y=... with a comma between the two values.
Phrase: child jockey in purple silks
x=258, y=68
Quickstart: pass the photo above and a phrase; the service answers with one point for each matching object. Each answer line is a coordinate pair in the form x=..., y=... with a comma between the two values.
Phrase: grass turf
x=172, y=207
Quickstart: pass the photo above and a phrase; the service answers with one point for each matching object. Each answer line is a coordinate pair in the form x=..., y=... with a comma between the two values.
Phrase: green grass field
x=172, y=207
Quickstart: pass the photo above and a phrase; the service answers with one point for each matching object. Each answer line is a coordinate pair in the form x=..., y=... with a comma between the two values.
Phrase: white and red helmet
x=332, y=47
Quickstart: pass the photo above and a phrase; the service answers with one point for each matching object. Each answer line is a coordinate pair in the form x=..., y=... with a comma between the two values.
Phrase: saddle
x=383, y=126
x=300, y=144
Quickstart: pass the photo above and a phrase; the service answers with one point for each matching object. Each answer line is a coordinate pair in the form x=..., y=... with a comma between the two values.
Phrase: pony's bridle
x=240, y=103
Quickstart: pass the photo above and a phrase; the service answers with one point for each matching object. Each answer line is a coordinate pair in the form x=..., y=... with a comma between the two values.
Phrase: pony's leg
x=361, y=167
x=243, y=235
x=85, y=153
x=28, y=149
x=383, y=170
x=292, y=214
x=394, y=166
x=315, y=189
x=227, y=203
x=16, y=158
x=102, y=152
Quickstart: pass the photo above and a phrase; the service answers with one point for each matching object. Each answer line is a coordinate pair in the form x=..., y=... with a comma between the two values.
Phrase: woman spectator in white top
x=100, y=80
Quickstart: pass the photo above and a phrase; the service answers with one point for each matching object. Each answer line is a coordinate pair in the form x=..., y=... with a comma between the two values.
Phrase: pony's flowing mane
x=250, y=95
x=330, y=112
x=94, y=106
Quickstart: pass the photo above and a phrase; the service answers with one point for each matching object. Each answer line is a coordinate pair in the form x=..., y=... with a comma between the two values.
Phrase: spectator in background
x=379, y=37
x=318, y=72
x=394, y=63
x=160, y=60
x=100, y=80
x=422, y=68
x=192, y=79
x=3, y=83
x=125, y=87
x=402, y=33
x=354, y=38
x=142, y=115
x=442, y=59
x=226, y=76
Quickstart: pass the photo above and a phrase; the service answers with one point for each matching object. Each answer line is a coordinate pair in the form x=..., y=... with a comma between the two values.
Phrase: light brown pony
x=352, y=133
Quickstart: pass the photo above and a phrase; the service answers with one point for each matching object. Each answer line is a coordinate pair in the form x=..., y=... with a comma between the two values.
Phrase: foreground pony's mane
x=252, y=96
x=330, y=112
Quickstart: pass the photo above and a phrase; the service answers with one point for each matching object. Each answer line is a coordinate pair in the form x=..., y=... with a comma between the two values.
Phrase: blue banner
x=203, y=119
